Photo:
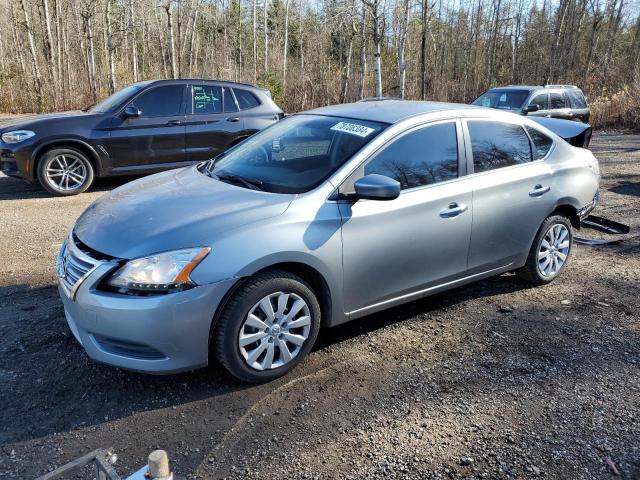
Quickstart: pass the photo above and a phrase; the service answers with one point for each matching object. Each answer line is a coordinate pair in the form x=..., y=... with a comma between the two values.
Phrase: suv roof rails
x=559, y=86
x=252, y=85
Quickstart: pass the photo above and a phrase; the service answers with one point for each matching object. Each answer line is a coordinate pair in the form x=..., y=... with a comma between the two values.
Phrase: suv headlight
x=161, y=273
x=17, y=136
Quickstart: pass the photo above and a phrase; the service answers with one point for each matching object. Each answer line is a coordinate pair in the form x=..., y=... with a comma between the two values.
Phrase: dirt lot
x=494, y=380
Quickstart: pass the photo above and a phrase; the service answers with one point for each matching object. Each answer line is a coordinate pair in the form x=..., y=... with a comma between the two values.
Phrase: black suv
x=554, y=101
x=145, y=127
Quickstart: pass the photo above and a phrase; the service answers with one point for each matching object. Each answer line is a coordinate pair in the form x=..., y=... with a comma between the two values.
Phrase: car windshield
x=503, y=99
x=116, y=99
x=294, y=155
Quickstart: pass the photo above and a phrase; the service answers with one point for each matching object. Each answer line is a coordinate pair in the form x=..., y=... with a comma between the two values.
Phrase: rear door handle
x=233, y=119
x=453, y=210
x=174, y=122
x=539, y=190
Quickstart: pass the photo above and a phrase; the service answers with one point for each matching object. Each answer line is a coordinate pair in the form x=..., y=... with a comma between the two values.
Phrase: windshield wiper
x=247, y=182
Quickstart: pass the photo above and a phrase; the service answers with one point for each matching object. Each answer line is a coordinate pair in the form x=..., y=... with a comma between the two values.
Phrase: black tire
x=531, y=270
x=225, y=335
x=54, y=160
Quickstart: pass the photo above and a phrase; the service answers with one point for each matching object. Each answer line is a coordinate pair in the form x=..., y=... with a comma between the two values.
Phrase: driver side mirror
x=377, y=187
x=530, y=108
x=131, y=112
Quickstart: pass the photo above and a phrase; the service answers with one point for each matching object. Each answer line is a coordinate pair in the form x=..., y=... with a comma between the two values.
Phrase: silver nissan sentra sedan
x=322, y=218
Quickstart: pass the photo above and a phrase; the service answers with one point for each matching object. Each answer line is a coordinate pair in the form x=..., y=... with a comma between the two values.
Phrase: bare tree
x=172, y=47
x=378, y=25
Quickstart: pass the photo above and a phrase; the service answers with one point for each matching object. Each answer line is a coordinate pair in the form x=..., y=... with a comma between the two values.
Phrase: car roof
x=388, y=111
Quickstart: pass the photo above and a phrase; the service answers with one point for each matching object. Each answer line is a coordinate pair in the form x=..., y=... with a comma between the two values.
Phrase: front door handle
x=453, y=210
x=539, y=190
x=233, y=119
x=174, y=123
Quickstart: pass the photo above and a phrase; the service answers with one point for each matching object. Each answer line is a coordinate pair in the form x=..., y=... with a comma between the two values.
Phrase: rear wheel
x=65, y=171
x=550, y=251
x=267, y=327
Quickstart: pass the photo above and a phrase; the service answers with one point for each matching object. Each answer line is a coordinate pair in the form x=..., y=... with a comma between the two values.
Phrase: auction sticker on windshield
x=353, y=128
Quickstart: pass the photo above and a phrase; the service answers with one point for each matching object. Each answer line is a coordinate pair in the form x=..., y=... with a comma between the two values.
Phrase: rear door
x=541, y=100
x=512, y=193
x=155, y=139
x=212, y=121
x=559, y=105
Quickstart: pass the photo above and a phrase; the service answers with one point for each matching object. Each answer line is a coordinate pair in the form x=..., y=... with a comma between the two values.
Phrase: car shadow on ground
x=39, y=354
x=12, y=188
x=627, y=188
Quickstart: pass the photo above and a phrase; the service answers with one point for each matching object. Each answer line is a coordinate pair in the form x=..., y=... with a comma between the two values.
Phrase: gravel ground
x=493, y=380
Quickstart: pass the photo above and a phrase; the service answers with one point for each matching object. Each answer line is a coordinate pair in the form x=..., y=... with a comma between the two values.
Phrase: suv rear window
x=246, y=99
x=577, y=98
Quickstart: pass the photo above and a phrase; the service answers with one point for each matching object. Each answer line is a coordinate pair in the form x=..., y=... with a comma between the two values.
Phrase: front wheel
x=267, y=327
x=550, y=251
x=65, y=171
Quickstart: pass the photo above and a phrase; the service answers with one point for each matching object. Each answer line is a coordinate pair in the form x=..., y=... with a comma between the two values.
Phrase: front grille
x=73, y=264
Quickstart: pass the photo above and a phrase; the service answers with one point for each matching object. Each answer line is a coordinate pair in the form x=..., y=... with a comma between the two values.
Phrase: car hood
x=30, y=120
x=172, y=210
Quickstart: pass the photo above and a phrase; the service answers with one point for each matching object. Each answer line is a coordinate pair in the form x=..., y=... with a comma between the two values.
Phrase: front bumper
x=154, y=334
x=15, y=160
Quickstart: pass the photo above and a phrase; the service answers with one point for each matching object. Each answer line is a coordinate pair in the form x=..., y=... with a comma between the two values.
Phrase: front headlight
x=162, y=273
x=17, y=136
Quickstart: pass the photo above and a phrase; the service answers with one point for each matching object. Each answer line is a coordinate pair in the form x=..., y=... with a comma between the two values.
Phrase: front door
x=155, y=139
x=400, y=247
x=213, y=122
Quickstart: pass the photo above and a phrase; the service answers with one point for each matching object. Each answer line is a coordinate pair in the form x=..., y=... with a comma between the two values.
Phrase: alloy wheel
x=274, y=331
x=554, y=249
x=66, y=172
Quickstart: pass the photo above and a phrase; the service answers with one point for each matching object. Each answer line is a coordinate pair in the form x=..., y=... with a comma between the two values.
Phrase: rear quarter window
x=246, y=99
x=541, y=142
x=577, y=99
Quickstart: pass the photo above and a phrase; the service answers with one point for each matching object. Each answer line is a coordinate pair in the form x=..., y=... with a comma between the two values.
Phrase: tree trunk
x=34, y=57
x=363, y=54
x=134, y=45
x=266, y=36
x=286, y=45
x=50, y=51
x=172, y=47
x=402, y=41
x=110, y=48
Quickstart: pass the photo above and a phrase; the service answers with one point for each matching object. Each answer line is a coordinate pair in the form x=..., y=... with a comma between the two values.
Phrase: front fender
x=70, y=141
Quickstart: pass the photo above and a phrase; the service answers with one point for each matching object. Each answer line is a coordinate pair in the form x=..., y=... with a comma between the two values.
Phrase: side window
x=541, y=100
x=246, y=99
x=577, y=98
x=541, y=142
x=207, y=99
x=229, y=102
x=421, y=157
x=165, y=101
x=497, y=145
x=557, y=100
